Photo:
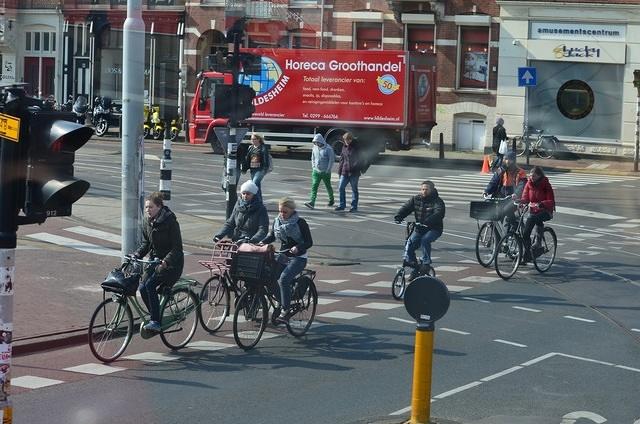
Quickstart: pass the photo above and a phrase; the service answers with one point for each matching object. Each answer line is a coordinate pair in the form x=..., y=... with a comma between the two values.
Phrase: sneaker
x=338, y=208
x=284, y=316
x=410, y=264
x=331, y=203
x=153, y=326
x=353, y=210
x=309, y=205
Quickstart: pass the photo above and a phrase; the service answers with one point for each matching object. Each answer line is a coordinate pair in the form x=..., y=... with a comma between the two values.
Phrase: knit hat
x=249, y=187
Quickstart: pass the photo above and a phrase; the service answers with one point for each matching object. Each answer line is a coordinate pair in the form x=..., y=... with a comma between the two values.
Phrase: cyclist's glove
x=216, y=239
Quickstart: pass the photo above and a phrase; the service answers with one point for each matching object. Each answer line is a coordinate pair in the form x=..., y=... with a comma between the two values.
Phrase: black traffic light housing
x=51, y=188
x=223, y=104
x=636, y=78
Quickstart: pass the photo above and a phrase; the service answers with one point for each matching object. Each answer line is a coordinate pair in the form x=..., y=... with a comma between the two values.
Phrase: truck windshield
x=207, y=91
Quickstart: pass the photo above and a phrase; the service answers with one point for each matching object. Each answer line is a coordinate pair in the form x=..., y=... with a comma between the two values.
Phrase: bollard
x=441, y=146
x=422, y=366
x=165, y=165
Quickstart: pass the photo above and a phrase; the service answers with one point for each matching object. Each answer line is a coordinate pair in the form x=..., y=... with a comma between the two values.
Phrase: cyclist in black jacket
x=429, y=210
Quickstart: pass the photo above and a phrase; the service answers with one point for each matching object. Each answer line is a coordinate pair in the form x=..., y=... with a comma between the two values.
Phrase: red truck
x=384, y=97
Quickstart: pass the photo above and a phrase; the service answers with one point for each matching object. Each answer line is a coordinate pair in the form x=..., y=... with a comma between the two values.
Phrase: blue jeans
x=285, y=281
x=342, y=185
x=421, y=240
x=256, y=176
x=148, y=291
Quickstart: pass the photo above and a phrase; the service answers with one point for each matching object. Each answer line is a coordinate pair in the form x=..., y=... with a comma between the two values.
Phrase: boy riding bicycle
x=429, y=210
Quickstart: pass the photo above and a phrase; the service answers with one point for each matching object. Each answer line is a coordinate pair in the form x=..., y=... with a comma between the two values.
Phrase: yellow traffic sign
x=10, y=127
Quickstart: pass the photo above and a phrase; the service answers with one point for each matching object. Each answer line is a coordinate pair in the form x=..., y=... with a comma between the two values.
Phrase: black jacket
x=259, y=155
x=428, y=211
x=289, y=243
x=246, y=221
x=161, y=238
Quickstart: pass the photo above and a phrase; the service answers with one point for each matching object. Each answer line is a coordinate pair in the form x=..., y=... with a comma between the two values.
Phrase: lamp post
x=636, y=152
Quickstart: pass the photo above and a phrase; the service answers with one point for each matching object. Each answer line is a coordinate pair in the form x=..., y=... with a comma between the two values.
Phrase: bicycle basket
x=117, y=282
x=485, y=210
x=252, y=268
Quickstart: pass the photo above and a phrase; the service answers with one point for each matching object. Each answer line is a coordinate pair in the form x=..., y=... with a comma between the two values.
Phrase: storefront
x=584, y=93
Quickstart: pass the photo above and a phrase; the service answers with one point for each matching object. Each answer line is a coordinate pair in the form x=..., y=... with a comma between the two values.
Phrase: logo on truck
x=387, y=84
x=269, y=83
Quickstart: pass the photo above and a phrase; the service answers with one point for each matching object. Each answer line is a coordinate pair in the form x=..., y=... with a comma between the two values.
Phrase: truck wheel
x=335, y=141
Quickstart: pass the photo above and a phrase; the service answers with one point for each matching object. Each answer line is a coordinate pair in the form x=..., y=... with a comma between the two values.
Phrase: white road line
x=75, y=244
x=509, y=343
x=94, y=369
x=578, y=318
x=476, y=300
x=33, y=382
x=380, y=306
x=450, y=330
x=522, y=308
x=637, y=330
x=342, y=315
x=114, y=238
x=458, y=390
x=501, y=373
x=402, y=320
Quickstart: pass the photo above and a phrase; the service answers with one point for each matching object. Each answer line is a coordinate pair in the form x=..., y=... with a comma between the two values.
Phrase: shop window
x=474, y=57
x=368, y=36
x=420, y=38
x=575, y=99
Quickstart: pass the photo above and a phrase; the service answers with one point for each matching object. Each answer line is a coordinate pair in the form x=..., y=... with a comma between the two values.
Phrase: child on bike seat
x=161, y=239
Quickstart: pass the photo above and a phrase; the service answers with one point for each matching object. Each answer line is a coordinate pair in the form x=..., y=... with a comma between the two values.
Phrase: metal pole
x=233, y=169
x=165, y=164
x=180, y=65
x=526, y=123
x=636, y=153
x=441, y=154
x=132, y=116
x=422, y=366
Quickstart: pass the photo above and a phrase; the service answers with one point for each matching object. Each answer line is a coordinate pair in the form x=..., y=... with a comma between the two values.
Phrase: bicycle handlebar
x=152, y=261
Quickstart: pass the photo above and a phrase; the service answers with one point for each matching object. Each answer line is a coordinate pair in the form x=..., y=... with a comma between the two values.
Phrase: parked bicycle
x=259, y=271
x=544, y=145
x=112, y=324
x=399, y=283
x=215, y=296
x=491, y=230
x=510, y=248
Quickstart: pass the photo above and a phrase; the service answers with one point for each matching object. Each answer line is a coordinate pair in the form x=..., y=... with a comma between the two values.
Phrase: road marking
x=85, y=231
x=333, y=281
x=476, y=300
x=522, y=308
x=327, y=301
x=208, y=346
x=448, y=268
x=402, y=320
x=585, y=213
x=578, y=319
x=354, y=293
x=380, y=284
x=95, y=288
x=479, y=279
x=624, y=225
x=572, y=417
x=464, y=333
x=454, y=288
x=389, y=266
x=509, y=343
x=33, y=382
x=501, y=373
x=589, y=235
x=75, y=244
x=94, y=369
x=342, y=315
x=365, y=274
x=458, y=390
x=380, y=306
x=637, y=330
x=152, y=357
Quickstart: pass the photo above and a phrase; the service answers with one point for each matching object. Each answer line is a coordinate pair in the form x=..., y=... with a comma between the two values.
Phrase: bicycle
x=491, y=231
x=112, y=323
x=215, y=296
x=259, y=272
x=544, y=145
x=510, y=248
x=399, y=283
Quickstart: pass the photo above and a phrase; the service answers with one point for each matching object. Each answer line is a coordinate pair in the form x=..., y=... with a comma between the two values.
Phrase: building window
x=53, y=41
x=575, y=99
x=474, y=57
x=368, y=36
x=27, y=46
x=420, y=38
x=36, y=41
x=45, y=41
x=302, y=39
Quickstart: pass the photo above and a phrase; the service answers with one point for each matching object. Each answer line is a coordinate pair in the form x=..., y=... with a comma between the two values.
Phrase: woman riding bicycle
x=429, y=210
x=295, y=238
x=249, y=220
x=161, y=239
x=539, y=194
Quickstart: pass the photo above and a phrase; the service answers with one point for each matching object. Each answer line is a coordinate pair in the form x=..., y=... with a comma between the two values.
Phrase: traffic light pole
x=233, y=168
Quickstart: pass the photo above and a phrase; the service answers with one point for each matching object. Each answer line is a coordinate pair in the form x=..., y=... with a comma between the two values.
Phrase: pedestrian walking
x=349, y=169
x=257, y=161
x=499, y=135
x=322, y=158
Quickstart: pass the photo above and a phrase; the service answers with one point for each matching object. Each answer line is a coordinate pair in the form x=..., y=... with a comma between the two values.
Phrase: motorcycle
x=176, y=125
x=79, y=108
x=101, y=116
x=157, y=124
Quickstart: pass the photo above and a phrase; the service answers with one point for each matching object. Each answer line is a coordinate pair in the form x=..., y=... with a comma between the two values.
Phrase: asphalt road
x=534, y=349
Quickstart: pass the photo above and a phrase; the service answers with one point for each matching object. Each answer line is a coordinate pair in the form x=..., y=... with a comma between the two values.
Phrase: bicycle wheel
x=508, y=256
x=399, y=284
x=486, y=242
x=110, y=329
x=547, y=254
x=179, y=318
x=214, y=304
x=303, y=306
x=546, y=148
x=521, y=146
x=250, y=318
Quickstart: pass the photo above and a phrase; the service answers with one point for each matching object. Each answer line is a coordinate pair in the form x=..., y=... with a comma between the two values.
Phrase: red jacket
x=540, y=192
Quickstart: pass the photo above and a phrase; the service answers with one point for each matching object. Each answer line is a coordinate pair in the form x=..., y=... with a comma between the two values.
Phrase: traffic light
x=244, y=102
x=251, y=64
x=51, y=187
x=223, y=106
x=636, y=78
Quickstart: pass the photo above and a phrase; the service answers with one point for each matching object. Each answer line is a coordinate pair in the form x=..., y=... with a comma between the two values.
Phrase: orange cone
x=485, y=165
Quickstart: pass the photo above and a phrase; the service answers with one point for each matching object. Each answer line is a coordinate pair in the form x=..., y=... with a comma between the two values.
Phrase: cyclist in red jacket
x=539, y=194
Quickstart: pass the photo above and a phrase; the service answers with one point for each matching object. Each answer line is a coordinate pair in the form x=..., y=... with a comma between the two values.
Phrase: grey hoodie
x=322, y=158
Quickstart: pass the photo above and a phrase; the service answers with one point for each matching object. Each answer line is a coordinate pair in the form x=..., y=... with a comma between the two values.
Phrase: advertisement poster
x=475, y=70
x=424, y=107
x=322, y=85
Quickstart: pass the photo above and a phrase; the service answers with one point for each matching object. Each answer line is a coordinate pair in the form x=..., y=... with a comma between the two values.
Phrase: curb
x=37, y=344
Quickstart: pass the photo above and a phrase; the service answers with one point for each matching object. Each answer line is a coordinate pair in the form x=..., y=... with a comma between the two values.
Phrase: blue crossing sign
x=527, y=77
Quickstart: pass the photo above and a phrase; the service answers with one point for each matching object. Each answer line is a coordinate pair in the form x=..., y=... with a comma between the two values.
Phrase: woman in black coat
x=161, y=239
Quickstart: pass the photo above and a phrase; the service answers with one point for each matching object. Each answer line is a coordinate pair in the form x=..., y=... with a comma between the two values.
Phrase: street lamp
x=636, y=153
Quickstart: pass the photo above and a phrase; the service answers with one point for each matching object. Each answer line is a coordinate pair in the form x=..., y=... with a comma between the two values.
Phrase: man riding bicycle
x=428, y=209
x=508, y=180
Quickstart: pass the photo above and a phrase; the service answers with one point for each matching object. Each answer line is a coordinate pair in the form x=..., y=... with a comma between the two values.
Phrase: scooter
x=80, y=108
x=101, y=115
x=157, y=124
x=176, y=126
x=146, y=125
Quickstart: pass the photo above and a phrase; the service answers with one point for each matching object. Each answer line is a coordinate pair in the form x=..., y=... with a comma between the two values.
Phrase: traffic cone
x=485, y=165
